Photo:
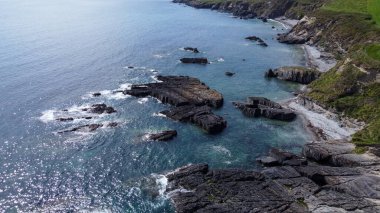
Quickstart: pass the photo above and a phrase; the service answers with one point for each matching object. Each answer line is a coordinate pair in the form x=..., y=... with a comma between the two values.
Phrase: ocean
x=54, y=54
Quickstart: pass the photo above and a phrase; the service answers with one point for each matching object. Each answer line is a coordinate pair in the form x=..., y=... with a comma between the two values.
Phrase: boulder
x=96, y=94
x=194, y=60
x=257, y=39
x=163, y=136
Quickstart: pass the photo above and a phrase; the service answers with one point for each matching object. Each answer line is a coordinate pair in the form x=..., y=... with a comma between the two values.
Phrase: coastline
x=330, y=175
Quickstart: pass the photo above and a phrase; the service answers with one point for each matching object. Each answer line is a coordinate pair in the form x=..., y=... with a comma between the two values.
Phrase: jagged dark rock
x=96, y=94
x=163, y=136
x=258, y=40
x=100, y=109
x=244, y=9
x=295, y=188
x=202, y=116
x=192, y=49
x=190, y=97
x=301, y=75
x=194, y=60
x=205, y=190
x=65, y=119
x=259, y=106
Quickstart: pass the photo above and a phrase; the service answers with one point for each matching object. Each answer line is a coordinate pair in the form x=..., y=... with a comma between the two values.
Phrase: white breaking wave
x=142, y=100
x=155, y=78
x=220, y=59
x=157, y=114
x=48, y=116
x=222, y=149
x=162, y=183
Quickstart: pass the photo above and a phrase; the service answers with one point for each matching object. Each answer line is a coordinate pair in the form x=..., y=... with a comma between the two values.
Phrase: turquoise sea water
x=54, y=54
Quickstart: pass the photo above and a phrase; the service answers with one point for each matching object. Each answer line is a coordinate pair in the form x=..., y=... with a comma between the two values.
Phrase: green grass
x=350, y=91
x=348, y=6
x=371, y=7
x=373, y=51
x=374, y=10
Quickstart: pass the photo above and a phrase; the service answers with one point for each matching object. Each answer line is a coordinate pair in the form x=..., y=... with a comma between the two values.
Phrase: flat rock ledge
x=259, y=106
x=301, y=75
x=163, y=136
x=194, y=60
x=288, y=183
x=191, y=99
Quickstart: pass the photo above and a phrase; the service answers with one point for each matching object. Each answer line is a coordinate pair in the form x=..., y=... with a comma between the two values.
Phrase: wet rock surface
x=259, y=106
x=191, y=49
x=258, y=40
x=295, y=74
x=163, y=136
x=192, y=100
x=194, y=60
x=202, y=116
x=305, y=187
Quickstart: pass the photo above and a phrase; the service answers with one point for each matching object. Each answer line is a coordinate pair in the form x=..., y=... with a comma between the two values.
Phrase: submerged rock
x=259, y=106
x=192, y=100
x=163, y=136
x=194, y=50
x=83, y=128
x=258, y=40
x=229, y=73
x=301, y=75
x=194, y=60
x=65, y=119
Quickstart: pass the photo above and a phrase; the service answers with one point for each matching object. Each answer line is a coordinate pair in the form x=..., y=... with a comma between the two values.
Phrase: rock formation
x=295, y=74
x=258, y=106
x=194, y=60
x=192, y=100
x=287, y=184
x=163, y=136
x=192, y=49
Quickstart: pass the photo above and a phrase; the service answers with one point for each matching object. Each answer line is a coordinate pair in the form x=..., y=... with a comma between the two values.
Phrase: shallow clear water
x=54, y=53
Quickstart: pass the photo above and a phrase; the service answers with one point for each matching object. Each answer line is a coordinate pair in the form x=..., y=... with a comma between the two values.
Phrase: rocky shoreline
x=327, y=177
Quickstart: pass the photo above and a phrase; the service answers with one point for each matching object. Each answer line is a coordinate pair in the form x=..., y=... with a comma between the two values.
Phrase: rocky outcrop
x=338, y=153
x=192, y=100
x=244, y=9
x=191, y=49
x=196, y=188
x=259, y=106
x=163, y=136
x=194, y=60
x=202, y=116
x=279, y=187
x=295, y=74
x=279, y=157
x=259, y=41
x=100, y=109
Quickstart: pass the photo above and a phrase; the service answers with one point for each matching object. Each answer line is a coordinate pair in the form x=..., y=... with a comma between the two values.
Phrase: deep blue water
x=55, y=53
